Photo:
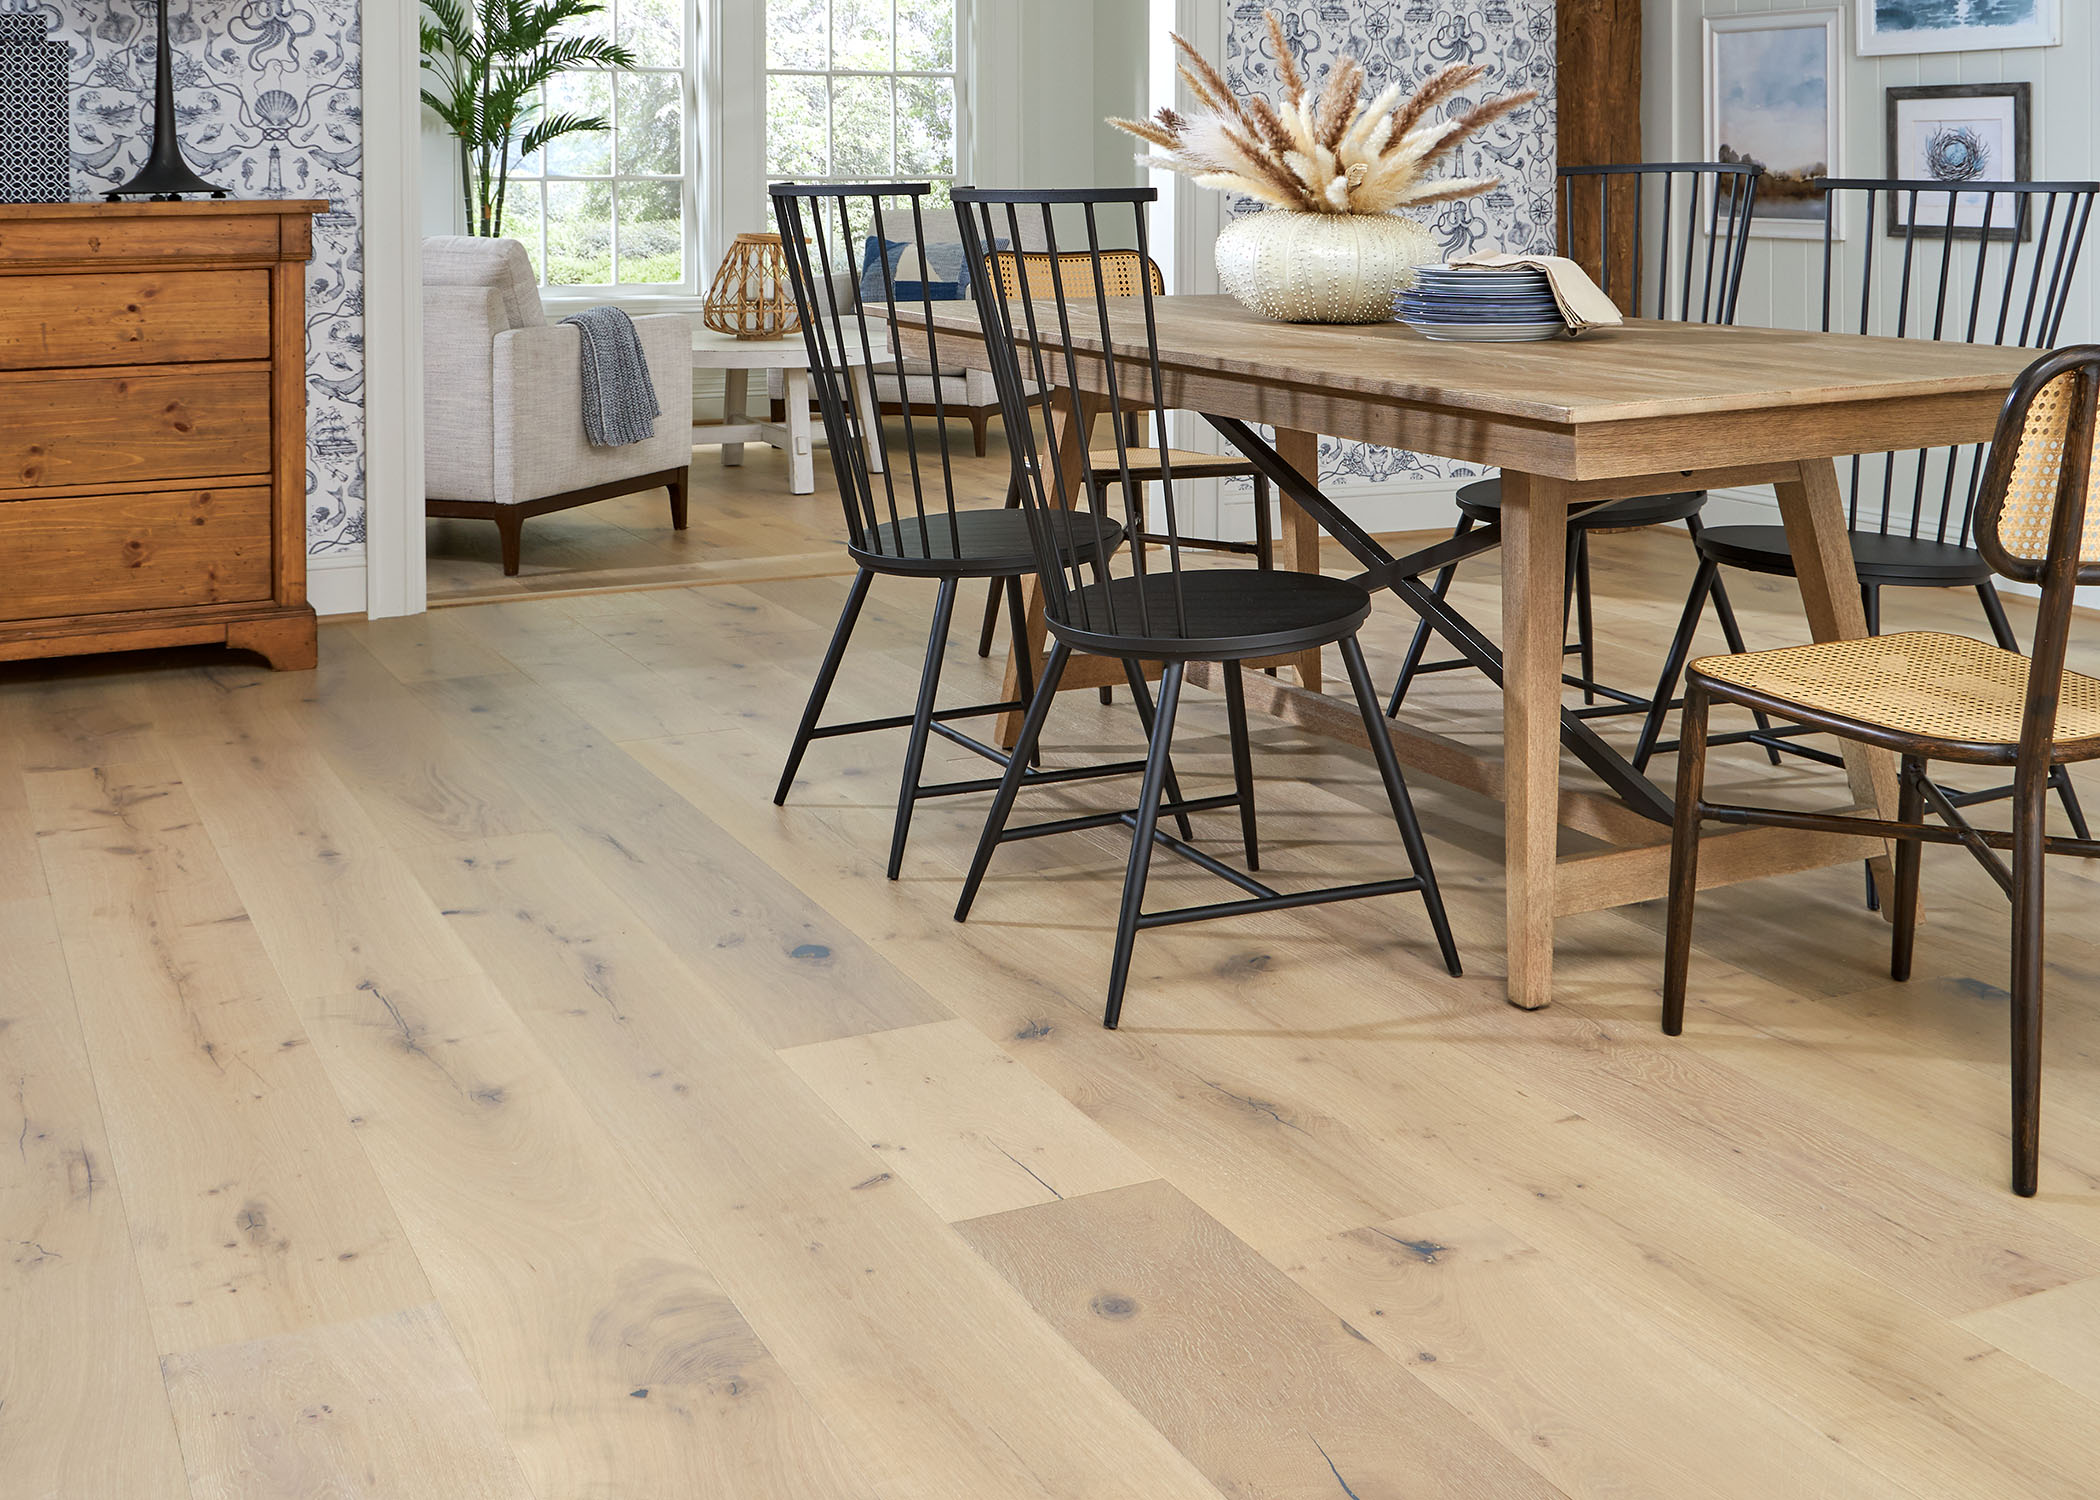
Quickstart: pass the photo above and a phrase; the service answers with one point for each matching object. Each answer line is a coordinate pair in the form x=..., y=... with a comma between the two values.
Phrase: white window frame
x=702, y=22
x=958, y=72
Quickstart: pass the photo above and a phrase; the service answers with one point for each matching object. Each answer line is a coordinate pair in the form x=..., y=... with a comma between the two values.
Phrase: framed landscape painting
x=1893, y=26
x=1772, y=98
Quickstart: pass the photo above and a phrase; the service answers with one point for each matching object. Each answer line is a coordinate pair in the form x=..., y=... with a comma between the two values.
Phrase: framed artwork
x=1893, y=26
x=1772, y=98
x=1957, y=133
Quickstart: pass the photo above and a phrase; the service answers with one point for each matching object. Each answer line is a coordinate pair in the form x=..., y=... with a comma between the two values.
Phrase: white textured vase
x=1322, y=268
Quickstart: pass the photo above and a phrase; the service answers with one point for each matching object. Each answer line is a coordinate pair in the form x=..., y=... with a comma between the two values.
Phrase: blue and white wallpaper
x=1408, y=40
x=269, y=100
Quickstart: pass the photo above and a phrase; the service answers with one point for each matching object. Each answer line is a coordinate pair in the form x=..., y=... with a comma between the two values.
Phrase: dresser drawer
x=115, y=239
x=86, y=553
x=133, y=318
x=130, y=429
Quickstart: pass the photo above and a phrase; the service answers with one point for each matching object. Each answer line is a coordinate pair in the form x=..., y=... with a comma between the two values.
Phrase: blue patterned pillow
x=948, y=281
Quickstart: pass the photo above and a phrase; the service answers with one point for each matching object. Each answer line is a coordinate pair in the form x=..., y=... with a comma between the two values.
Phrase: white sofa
x=503, y=398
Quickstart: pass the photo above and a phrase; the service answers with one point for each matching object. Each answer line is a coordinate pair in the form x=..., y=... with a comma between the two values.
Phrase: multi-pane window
x=861, y=91
x=610, y=207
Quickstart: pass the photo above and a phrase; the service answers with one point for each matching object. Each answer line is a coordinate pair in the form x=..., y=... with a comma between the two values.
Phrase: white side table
x=737, y=358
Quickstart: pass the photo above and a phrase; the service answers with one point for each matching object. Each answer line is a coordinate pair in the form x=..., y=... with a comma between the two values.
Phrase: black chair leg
x=1673, y=665
x=1134, y=674
x=1910, y=854
x=1242, y=759
x=922, y=720
x=1732, y=632
x=991, y=613
x=2060, y=776
x=1684, y=860
x=1010, y=783
x=1585, y=618
x=1417, y=647
x=1024, y=659
x=1140, y=867
x=856, y=596
x=1870, y=601
x=2030, y=814
x=1402, y=804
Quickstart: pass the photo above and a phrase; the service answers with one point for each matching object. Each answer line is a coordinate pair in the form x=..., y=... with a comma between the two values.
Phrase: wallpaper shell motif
x=1407, y=40
x=270, y=102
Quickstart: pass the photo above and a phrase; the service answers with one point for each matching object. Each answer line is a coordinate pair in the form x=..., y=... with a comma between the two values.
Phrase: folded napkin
x=1582, y=303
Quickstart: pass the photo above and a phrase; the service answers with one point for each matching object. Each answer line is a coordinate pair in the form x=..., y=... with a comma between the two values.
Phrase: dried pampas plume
x=1324, y=153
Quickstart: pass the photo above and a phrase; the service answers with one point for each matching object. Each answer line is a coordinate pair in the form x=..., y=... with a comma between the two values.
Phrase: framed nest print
x=1895, y=26
x=1772, y=98
x=1959, y=133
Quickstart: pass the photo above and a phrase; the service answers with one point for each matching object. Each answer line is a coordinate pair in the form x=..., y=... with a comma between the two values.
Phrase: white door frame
x=393, y=257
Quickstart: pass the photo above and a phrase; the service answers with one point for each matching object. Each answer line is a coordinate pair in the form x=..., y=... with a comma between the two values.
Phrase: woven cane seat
x=1923, y=684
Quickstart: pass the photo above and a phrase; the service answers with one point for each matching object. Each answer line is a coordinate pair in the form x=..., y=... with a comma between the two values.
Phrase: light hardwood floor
x=447, y=1075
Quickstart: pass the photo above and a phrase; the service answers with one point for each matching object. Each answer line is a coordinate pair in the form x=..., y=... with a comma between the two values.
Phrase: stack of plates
x=1490, y=306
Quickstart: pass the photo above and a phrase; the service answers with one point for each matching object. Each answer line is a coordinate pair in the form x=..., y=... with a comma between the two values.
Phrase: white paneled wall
x=1783, y=279
x=1782, y=282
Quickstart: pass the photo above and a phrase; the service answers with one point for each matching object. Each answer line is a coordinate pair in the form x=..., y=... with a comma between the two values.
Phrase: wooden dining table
x=1623, y=412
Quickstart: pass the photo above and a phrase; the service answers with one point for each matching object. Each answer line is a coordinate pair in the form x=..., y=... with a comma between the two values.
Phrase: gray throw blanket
x=619, y=399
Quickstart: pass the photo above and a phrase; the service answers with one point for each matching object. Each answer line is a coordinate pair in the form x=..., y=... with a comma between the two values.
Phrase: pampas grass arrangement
x=1328, y=153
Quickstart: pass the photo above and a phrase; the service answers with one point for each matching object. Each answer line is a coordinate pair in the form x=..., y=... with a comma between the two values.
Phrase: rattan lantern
x=751, y=296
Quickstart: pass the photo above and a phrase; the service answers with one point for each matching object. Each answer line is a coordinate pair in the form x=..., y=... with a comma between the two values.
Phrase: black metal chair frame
x=2036, y=759
x=1702, y=296
x=912, y=535
x=2066, y=214
x=1147, y=614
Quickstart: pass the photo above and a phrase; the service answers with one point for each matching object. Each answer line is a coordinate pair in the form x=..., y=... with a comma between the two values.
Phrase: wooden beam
x=1599, y=42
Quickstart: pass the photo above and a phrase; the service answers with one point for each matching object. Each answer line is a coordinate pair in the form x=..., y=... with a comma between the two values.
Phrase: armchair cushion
x=498, y=265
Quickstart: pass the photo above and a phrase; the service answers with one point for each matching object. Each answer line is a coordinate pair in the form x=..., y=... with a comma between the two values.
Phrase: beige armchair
x=503, y=398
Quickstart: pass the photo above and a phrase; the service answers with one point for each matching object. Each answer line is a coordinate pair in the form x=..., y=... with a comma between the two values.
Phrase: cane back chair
x=1928, y=696
x=904, y=517
x=1122, y=273
x=1065, y=330
x=1912, y=514
x=1698, y=216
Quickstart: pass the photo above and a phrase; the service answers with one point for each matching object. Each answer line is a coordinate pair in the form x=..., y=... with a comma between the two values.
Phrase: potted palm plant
x=485, y=63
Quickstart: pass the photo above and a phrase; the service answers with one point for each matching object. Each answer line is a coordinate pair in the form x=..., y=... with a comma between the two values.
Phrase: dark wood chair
x=1161, y=609
x=1674, y=237
x=906, y=520
x=1912, y=514
x=1933, y=697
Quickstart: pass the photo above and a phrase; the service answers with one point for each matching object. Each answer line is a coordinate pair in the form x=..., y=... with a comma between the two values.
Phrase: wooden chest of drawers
x=153, y=427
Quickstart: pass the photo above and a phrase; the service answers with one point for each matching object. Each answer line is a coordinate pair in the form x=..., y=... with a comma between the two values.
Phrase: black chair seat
x=980, y=543
x=1894, y=560
x=1233, y=614
x=1481, y=501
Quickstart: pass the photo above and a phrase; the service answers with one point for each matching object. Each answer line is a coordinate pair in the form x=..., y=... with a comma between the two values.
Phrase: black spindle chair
x=1927, y=696
x=904, y=520
x=1671, y=240
x=1913, y=514
x=1069, y=330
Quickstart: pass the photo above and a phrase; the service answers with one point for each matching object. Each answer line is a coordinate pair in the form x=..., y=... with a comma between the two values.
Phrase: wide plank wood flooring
x=446, y=1075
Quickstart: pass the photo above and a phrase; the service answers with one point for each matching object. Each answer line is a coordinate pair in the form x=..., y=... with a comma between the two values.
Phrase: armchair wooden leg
x=980, y=432
x=510, y=532
x=681, y=486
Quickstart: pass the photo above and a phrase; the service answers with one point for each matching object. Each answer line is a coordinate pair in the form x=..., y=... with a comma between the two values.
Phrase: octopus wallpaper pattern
x=269, y=97
x=1407, y=40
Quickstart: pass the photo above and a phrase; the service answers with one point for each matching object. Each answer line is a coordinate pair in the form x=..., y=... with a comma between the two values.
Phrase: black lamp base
x=166, y=176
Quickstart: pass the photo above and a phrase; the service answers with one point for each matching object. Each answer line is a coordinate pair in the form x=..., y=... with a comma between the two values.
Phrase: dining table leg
x=1820, y=539
x=1534, y=559
x=1300, y=533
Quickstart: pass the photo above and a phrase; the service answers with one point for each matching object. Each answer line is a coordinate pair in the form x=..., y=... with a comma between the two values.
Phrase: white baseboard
x=335, y=583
